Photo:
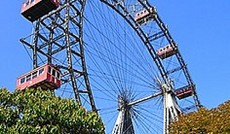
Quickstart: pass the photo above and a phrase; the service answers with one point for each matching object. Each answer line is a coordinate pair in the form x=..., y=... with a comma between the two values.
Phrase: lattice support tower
x=57, y=39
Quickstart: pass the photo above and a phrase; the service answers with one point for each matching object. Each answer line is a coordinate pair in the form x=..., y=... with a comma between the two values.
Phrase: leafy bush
x=37, y=111
x=214, y=121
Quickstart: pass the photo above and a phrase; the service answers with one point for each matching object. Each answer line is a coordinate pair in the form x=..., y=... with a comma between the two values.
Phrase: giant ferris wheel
x=115, y=57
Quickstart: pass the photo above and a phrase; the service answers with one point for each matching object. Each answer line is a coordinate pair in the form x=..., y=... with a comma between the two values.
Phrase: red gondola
x=46, y=77
x=184, y=92
x=34, y=9
x=167, y=51
x=144, y=15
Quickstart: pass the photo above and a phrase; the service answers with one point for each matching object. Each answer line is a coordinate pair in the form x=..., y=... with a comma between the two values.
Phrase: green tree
x=204, y=121
x=37, y=111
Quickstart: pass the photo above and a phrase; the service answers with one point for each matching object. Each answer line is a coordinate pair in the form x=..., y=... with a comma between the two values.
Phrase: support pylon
x=58, y=39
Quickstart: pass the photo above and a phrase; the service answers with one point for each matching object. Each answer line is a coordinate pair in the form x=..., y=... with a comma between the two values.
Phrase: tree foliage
x=38, y=111
x=204, y=121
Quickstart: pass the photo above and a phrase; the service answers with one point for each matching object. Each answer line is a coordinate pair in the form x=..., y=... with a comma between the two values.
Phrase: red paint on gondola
x=185, y=92
x=144, y=15
x=167, y=51
x=47, y=77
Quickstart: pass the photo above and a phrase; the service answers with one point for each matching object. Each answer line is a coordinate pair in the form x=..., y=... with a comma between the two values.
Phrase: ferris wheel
x=116, y=57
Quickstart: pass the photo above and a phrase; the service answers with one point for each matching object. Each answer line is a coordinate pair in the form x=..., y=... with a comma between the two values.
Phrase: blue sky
x=201, y=29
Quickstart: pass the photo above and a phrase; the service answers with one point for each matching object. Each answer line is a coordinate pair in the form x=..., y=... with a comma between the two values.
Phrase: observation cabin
x=47, y=76
x=145, y=15
x=34, y=9
x=185, y=92
x=167, y=51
